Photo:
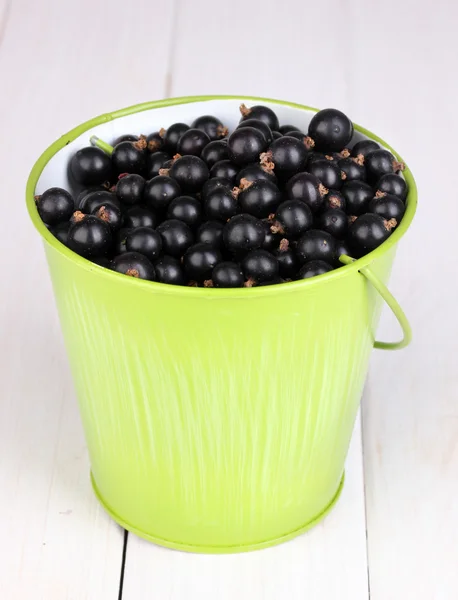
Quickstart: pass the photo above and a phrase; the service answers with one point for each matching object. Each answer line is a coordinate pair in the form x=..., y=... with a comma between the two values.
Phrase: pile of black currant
x=195, y=206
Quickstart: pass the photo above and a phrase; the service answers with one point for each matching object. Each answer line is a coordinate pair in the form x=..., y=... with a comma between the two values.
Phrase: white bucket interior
x=56, y=172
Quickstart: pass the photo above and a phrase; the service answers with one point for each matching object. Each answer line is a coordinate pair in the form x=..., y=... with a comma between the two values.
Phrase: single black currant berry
x=110, y=214
x=351, y=170
x=60, y=231
x=176, y=237
x=243, y=233
x=254, y=172
x=146, y=241
x=379, y=163
x=129, y=157
x=286, y=156
x=316, y=245
x=304, y=139
x=327, y=172
x=134, y=265
x=287, y=260
x=89, y=236
x=220, y=204
x=91, y=201
x=155, y=141
x=387, y=206
x=120, y=240
x=211, y=233
x=363, y=148
x=214, y=184
x=214, y=152
x=260, y=125
x=55, y=205
x=271, y=239
x=227, y=275
x=292, y=219
x=160, y=191
x=331, y=130
x=275, y=135
x=335, y=222
x=357, y=196
x=155, y=162
x=193, y=141
x=334, y=199
x=390, y=183
x=169, y=270
x=224, y=169
x=368, y=232
x=211, y=126
x=91, y=166
x=245, y=145
x=86, y=191
x=140, y=216
x=199, y=261
x=284, y=129
x=261, y=113
x=259, y=198
x=172, y=136
x=190, y=172
x=313, y=268
x=342, y=247
x=187, y=209
x=129, y=189
x=258, y=266
x=307, y=188
x=128, y=137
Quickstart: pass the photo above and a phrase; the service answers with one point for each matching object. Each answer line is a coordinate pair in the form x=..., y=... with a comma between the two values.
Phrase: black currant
x=227, y=275
x=102, y=261
x=193, y=141
x=155, y=162
x=334, y=199
x=379, y=162
x=342, y=247
x=187, y=209
x=330, y=129
x=220, y=204
x=363, y=148
x=134, y=265
x=176, y=237
x=367, y=232
x=199, y=260
x=271, y=239
x=120, y=240
x=258, y=198
x=110, y=214
x=55, y=205
x=387, y=206
x=275, y=135
x=305, y=139
x=86, y=191
x=129, y=189
x=243, y=233
x=327, y=172
x=128, y=137
x=292, y=218
x=95, y=199
x=284, y=129
x=254, y=172
x=351, y=170
x=211, y=126
x=60, y=231
x=155, y=141
x=334, y=221
x=169, y=270
x=144, y=240
x=172, y=136
x=213, y=184
x=261, y=113
x=91, y=166
x=260, y=125
x=140, y=216
x=89, y=236
x=258, y=266
x=211, y=233
x=214, y=152
x=316, y=245
x=287, y=261
x=307, y=188
x=245, y=145
x=357, y=196
x=190, y=172
x=160, y=191
x=390, y=183
x=313, y=268
x=286, y=156
x=224, y=169
x=129, y=157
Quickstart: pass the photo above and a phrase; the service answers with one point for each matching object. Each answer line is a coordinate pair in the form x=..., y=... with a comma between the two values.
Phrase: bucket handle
x=392, y=303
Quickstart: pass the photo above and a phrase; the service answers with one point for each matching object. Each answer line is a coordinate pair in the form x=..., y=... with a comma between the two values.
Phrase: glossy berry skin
x=313, y=268
x=260, y=199
x=93, y=200
x=86, y=191
x=211, y=126
x=367, y=233
x=89, y=236
x=190, y=172
x=199, y=261
x=128, y=137
x=342, y=247
x=379, y=163
x=284, y=129
x=111, y=215
x=260, y=125
x=211, y=233
x=140, y=216
x=146, y=241
x=271, y=239
x=224, y=169
x=287, y=262
x=160, y=191
x=129, y=189
x=120, y=239
x=390, y=183
x=351, y=170
x=91, y=166
x=275, y=135
x=259, y=266
x=388, y=207
x=293, y=218
x=214, y=152
x=172, y=136
x=154, y=162
x=307, y=188
x=127, y=158
x=334, y=199
x=134, y=265
x=193, y=141
x=261, y=113
x=254, y=172
x=155, y=141
x=327, y=172
x=316, y=245
x=220, y=205
x=331, y=130
x=335, y=222
x=214, y=184
x=289, y=156
x=60, y=231
x=245, y=145
x=176, y=237
x=187, y=209
x=55, y=205
x=169, y=270
x=357, y=196
x=363, y=148
x=227, y=274
x=243, y=233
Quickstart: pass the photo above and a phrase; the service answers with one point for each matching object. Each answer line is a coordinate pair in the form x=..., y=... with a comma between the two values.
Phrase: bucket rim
x=195, y=292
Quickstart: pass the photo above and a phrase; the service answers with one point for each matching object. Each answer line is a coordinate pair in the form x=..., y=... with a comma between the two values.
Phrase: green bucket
x=216, y=420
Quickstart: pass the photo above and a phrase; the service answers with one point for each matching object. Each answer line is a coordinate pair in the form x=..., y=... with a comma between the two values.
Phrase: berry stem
x=95, y=141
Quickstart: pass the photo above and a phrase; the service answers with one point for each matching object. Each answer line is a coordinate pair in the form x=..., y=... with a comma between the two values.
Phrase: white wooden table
x=392, y=67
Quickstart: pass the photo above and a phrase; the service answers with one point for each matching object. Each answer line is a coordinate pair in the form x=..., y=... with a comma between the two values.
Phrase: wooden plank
x=60, y=63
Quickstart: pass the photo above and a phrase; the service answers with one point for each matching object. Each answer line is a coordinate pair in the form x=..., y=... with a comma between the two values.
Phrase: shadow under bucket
x=217, y=420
